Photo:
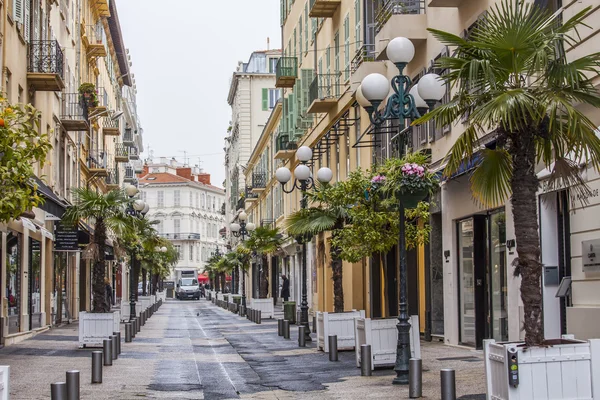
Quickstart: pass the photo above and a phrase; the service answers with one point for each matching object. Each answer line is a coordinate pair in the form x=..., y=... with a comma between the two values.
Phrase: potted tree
x=262, y=242
x=107, y=211
x=512, y=76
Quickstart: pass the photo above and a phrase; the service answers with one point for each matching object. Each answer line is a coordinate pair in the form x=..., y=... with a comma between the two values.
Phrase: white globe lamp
x=283, y=175
x=400, y=50
x=361, y=99
x=302, y=172
x=432, y=88
x=419, y=102
x=139, y=205
x=324, y=175
x=304, y=153
x=375, y=87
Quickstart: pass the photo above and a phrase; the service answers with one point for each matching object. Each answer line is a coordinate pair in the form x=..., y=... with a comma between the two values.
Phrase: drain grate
x=468, y=359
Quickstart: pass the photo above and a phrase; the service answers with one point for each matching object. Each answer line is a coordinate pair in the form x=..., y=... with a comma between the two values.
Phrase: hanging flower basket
x=412, y=199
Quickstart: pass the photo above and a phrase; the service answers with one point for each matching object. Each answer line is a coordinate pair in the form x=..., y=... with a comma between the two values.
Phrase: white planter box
x=4, y=382
x=340, y=324
x=265, y=306
x=382, y=335
x=570, y=370
x=152, y=299
x=146, y=301
x=220, y=296
x=95, y=327
x=161, y=296
x=125, y=310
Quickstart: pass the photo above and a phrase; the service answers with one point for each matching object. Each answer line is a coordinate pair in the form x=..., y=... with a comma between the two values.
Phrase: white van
x=188, y=288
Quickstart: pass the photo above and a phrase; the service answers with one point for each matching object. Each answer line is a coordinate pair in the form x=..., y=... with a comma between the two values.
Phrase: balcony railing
x=134, y=153
x=259, y=180
x=128, y=139
x=250, y=195
x=74, y=115
x=110, y=126
x=395, y=7
x=284, y=143
x=93, y=39
x=112, y=178
x=286, y=72
x=121, y=153
x=96, y=161
x=324, y=92
x=323, y=8
x=46, y=65
x=129, y=174
x=365, y=53
x=181, y=236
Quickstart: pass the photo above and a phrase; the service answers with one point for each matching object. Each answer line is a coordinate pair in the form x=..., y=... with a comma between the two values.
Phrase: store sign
x=590, y=253
x=66, y=237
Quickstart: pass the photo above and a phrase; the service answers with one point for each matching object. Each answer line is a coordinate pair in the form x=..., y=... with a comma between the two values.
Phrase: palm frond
x=490, y=182
x=310, y=221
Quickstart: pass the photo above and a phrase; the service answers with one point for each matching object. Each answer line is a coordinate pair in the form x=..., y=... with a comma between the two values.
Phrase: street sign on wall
x=590, y=253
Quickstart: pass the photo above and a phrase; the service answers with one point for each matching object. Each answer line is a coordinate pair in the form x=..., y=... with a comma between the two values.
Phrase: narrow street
x=195, y=350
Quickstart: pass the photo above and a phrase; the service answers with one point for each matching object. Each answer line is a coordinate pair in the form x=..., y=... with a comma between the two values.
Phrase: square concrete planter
x=382, y=335
x=125, y=310
x=340, y=324
x=569, y=369
x=95, y=327
x=146, y=301
x=220, y=296
x=265, y=306
x=161, y=296
x=4, y=382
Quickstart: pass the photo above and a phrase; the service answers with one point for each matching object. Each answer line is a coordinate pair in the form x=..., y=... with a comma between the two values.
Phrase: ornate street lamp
x=303, y=181
x=404, y=103
x=242, y=230
x=136, y=208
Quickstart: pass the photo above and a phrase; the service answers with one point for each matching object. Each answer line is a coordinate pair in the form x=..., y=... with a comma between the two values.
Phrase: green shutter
x=306, y=27
x=265, y=99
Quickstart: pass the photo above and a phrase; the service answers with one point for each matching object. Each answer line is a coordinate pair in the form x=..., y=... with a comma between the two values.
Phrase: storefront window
x=467, y=277
x=60, y=288
x=35, y=301
x=499, y=316
x=13, y=281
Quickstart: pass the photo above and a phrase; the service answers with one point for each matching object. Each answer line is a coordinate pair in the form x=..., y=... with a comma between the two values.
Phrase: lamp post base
x=304, y=323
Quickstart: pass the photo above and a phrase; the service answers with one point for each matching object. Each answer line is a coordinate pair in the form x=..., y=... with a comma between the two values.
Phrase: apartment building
x=49, y=50
x=461, y=294
x=188, y=209
x=252, y=96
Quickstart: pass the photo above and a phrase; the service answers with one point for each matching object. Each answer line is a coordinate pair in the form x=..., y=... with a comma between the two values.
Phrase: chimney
x=185, y=172
x=173, y=162
x=145, y=171
x=204, y=178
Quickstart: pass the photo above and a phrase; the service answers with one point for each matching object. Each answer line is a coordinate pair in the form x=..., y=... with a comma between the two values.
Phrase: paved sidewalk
x=195, y=350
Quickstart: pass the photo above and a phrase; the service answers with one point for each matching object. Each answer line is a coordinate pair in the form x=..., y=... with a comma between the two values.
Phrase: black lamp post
x=136, y=208
x=242, y=230
x=405, y=103
x=303, y=181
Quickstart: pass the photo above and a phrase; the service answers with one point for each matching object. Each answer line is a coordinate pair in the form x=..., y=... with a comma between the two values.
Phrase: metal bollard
x=366, y=360
x=333, y=351
x=258, y=316
x=301, y=337
x=58, y=391
x=448, y=388
x=114, y=347
x=107, y=352
x=147, y=314
x=253, y=315
x=314, y=327
x=128, y=329
x=96, y=367
x=73, y=385
x=280, y=327
x=415, y=378
x=118, y=335
x=142, y=319
x=134, y=327
x=286, y=329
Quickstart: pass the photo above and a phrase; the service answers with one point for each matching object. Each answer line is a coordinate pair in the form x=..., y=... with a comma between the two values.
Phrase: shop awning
x=203, y=278
x=52, y=203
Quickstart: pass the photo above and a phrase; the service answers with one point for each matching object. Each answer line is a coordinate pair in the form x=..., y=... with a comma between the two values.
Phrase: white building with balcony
x=189, y=210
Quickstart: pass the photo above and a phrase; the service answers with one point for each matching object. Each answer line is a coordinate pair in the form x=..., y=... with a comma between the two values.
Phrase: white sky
x=184, y=53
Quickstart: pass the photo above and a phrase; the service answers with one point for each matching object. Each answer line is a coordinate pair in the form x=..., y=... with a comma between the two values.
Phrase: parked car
x=188, y=288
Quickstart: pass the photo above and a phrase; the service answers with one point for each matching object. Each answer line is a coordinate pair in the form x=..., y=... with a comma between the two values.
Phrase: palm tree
x=262, y=242
x=511, y=77
x=107, y=211
x=329, y=212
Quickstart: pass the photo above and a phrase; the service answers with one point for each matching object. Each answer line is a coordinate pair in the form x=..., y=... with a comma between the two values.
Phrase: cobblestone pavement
x=195, y=350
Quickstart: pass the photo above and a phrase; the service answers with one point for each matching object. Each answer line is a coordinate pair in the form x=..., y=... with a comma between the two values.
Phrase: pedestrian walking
x=285, y=288
x=109, y=294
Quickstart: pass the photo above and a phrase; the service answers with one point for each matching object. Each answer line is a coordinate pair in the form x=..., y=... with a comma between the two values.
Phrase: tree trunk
x=136, y=276
x=337, y=277
x=524, y=185
x=222, y=279
x=264, y=281
x=99, y=287
x=144, y=281
x=154, y=284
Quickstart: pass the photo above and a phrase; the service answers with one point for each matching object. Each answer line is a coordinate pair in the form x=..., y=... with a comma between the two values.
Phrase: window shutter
x=300, y=40
x=36, y=23
x=357, y=23
x=27, y=20
x=284, y=120
x=18, y=10
x=265, y=99
x=306, y=27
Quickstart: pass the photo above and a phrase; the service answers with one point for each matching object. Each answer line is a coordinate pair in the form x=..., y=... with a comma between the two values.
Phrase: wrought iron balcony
x=250, y=196
x=241, y=204
x=100, y=7
x=285, y=148
x=364, y=63
x=129, y=174
x=286, y=72
x=445, y=3
x=396, y=18
x=267, y=222
x=366, y=53
x=181, y=236
x=110, y=127
x=323, y=8
x=112, y=179
x=128, y=139
x=134, y=153
x=96, y=163
x=74, y=115
x=324, y=93
x=259, y=181
x=92, y=37
x=46, y=66
x=138, y=166
x=121, y=153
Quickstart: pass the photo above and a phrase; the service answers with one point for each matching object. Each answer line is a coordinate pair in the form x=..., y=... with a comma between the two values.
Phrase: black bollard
x=314, y=327
x=365, y=360
x=280, y=327
x=107, y=352
x=258, y=316
x=301, y=337
x=118, y=335
x=73, y=385
x=128, y=329
x=114, y=347
x=58, y=391
x=286, y=329
x=415, y=378
x=96, y=367
x=333, y=351
x=448, y=384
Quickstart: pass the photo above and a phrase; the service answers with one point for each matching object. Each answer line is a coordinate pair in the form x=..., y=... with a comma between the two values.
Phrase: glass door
x=35, y=300
x=498, y=317
x=13, y=281
x=467, y=282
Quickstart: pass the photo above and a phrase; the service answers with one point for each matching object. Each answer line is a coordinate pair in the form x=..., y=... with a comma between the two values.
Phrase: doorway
x=482, y=278
x=35, y=300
